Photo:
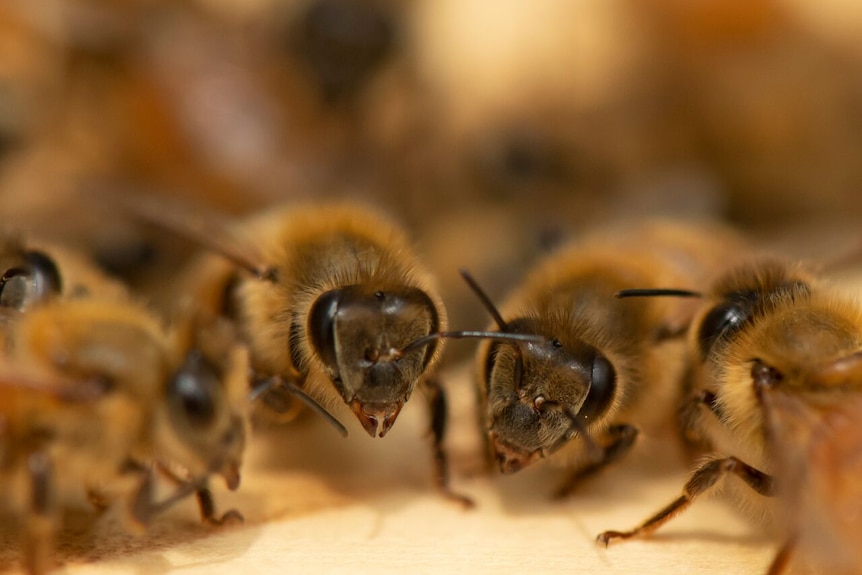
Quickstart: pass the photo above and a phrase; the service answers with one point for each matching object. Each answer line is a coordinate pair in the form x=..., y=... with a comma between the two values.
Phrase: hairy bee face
x=535, y=390
x=359, y=333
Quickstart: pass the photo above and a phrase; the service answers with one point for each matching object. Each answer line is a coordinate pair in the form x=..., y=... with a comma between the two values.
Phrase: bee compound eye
x=719, y=322
x=15, y=289
x=321, y=326
x=194, y=392
x=36, y=280
x=603, y=386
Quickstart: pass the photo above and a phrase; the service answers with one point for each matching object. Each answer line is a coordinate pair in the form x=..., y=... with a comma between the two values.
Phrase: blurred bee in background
x=764, y=103
x=98, y=397
x=762, y=399
x=342, y=45
x=607, y=368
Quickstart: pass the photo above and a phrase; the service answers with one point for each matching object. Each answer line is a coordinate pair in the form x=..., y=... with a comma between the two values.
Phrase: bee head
x=361, y=335
x=206, y=425
x=744, y=295
x=542, y=394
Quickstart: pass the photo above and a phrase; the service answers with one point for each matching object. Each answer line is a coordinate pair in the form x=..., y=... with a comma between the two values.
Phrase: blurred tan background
x=494, y=129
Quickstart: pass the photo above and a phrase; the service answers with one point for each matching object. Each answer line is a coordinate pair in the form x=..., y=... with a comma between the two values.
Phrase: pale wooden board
x=316, y=503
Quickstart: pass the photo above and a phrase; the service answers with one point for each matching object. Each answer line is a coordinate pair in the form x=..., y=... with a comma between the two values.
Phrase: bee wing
x=788, y=418
x=794, y=420
x=820, y=457
x=196, y=223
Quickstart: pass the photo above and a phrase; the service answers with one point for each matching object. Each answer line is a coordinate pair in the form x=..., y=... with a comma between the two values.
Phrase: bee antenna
x=593, y=449
x=656, y=292
x=483, y=297
x=192, y=222
x=467, y=334
x=276, y=381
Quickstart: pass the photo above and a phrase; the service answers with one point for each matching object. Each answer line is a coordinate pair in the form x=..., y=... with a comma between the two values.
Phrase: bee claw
x=606, y=537
x=228, y=518
x=464, y=501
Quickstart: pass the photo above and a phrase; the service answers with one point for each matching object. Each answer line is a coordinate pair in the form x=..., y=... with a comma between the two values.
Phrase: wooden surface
x=315, y=503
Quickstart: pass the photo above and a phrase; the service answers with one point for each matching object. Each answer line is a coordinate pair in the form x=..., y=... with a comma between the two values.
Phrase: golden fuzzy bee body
x=97, y=395
x=609, y=367
x=77, y=344
x=124, y=362
x=792, y=323
x=766, y=405
x=317, y=251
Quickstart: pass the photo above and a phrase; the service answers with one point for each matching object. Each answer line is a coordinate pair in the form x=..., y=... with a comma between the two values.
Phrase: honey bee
x=332, y=299
x=97, y=396
x=761, y=397
x=606, y=369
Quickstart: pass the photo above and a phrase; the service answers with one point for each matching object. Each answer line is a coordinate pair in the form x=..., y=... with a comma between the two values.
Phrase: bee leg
x=688, y=414
x=277, y=404
x=98, y=499
x=488, y=458
x=206, y=504
x=142, y=506
x=622, y=439
x=782, y=558
x=439, y=411
x=701, y=481
x=41, y=519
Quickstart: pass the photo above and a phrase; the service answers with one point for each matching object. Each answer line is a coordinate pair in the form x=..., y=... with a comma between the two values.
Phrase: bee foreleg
x=690, y=410
x=98, y=499
x=700, y=403
x=438, y=408
x=701, y=481
x=206, y=503
x=142, y=508
x=622, y=439
x=281, y=406
x=41, y=519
